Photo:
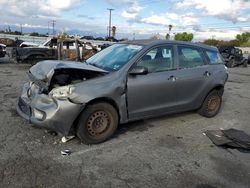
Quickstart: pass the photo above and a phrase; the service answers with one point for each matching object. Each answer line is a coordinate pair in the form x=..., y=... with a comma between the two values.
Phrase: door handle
x=172, y=78
x=207, y=74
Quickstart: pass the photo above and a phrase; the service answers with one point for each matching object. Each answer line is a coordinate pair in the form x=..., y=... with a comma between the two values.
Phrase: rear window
x=214, y=57
x=189, y=57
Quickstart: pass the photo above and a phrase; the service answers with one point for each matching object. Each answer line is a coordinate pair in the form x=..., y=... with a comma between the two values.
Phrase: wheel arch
x=96, y=100
x=106, y=100
x=218, y=87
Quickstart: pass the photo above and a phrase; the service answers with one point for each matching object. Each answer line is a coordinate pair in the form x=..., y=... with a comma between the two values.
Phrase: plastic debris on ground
x=67, y=138
x=231, y=138
x=66, y=152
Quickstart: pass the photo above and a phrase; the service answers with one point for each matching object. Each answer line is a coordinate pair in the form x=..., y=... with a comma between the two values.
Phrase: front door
x=154, y=93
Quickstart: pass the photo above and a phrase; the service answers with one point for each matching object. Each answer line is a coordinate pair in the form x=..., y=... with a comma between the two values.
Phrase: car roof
x=153, y=42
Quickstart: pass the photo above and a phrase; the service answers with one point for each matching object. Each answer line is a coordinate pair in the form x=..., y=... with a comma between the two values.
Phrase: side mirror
x=139, y=70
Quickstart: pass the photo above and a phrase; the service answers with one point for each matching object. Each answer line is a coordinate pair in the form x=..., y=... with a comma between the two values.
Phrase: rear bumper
x=46, y=112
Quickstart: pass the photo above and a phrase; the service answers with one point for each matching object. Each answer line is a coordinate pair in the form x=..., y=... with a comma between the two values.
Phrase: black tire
x=245, y=63
x=230, y=63
x=211, y=105
x=97, y=123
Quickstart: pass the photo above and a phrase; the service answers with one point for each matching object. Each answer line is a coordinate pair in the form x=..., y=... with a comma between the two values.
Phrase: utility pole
x=21, y=27
x=48, y=28
x=53, y=25
x=110, y=11
x=169, y=30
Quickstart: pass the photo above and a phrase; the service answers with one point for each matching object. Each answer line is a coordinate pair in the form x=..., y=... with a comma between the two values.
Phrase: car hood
x=45, y=69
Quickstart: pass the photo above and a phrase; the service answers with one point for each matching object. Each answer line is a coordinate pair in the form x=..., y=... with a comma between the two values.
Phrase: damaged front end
x=44, y=100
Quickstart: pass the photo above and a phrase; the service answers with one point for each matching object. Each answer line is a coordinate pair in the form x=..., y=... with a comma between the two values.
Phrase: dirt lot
x=170, y=151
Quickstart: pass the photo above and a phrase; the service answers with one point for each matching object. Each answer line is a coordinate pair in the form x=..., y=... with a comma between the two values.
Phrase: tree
x=34, y=34
x=17, y=33
x=184, y=36
x=214, y=42
x=211, y=42
x=243, y=38
x=156, y=36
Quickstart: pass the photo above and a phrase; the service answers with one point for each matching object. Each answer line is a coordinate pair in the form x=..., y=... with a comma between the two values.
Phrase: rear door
x=193, y=77
x=154, y=93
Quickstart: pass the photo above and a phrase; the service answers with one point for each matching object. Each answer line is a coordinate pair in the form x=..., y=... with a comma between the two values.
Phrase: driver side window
x=158, y=59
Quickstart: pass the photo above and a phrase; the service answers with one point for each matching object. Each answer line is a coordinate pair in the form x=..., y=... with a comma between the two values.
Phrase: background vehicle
x=124, y=82
x=2, y=50
x=60, y=48
x=233, y=56
x=88, y=37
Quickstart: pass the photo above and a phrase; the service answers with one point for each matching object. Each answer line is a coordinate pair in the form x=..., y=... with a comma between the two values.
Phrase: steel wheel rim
x=98, y=123
x=213, y=104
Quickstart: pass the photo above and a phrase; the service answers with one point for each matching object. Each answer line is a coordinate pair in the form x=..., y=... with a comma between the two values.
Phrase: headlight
x=61, y=92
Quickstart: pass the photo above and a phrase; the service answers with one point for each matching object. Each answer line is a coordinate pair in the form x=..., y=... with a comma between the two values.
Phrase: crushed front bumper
x=47, y=112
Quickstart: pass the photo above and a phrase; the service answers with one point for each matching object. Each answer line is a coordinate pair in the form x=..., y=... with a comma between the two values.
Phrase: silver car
x=125, y=82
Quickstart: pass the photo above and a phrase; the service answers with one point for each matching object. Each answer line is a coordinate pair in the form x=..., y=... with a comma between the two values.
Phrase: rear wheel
x=97, y=123
x=211, y=104
x=245, y=63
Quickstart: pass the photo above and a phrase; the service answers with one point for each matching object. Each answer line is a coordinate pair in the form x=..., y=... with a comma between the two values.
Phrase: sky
x=218, y=19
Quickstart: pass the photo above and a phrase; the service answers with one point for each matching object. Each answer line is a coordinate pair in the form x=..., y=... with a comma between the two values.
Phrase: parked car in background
x=10, y=42
x=105, y=45
x=2, y=50
x=125, y=82
x=233, y=56
x=111, y=39
x=100, y=38
x=88, y=37
x=28, y=44
x=53, y=49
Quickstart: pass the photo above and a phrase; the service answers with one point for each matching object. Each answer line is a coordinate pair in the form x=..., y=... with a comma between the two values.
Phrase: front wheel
x=97, y=123
x=230, y=63
x=211, y=104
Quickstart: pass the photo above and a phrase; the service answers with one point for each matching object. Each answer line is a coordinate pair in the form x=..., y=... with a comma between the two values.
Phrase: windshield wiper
x=84, y=61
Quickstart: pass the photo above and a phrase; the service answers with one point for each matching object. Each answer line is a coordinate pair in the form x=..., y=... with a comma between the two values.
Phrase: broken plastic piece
x=66, y=152
x=67, y=138
x=229, y=138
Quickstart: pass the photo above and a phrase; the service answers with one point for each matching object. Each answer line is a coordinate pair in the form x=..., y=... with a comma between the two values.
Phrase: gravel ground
x=169, y=151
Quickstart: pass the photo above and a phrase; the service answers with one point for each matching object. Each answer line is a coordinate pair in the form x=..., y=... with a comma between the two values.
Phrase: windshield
x=114, y=57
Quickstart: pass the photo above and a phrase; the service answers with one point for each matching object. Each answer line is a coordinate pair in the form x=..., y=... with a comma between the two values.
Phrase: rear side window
x=214, y=57
x=189, y=57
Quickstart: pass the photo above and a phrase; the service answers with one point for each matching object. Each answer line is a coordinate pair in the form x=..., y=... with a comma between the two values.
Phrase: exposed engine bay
x=68, y=76
x=48, y=75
